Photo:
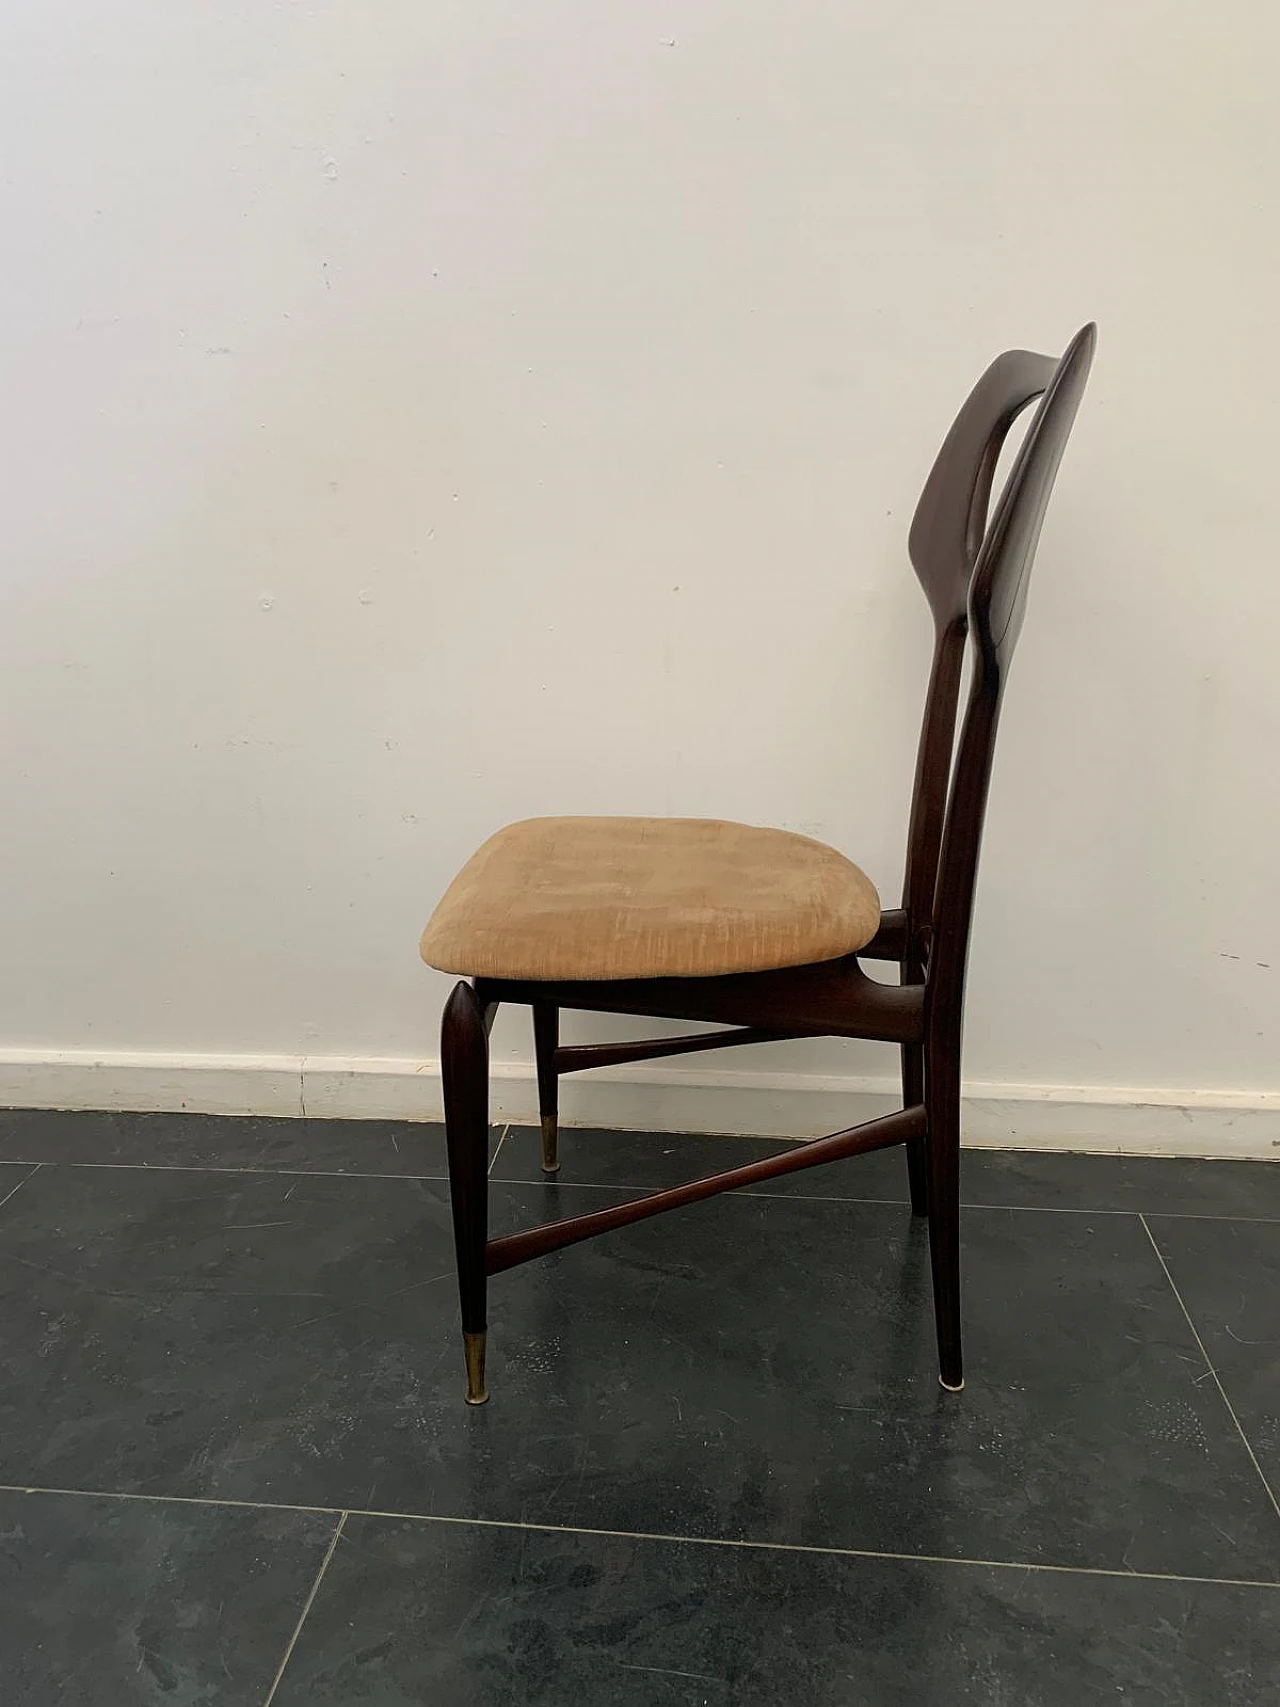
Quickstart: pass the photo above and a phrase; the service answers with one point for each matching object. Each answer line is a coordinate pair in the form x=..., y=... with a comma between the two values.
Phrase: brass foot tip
x=951, y=1387
x=550, y=1145
x=473, y=1346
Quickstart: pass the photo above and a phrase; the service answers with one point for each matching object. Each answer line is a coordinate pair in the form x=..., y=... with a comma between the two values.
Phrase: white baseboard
x=656, y=1098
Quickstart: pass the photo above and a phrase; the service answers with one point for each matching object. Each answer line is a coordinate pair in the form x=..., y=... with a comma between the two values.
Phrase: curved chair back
x=974, y=572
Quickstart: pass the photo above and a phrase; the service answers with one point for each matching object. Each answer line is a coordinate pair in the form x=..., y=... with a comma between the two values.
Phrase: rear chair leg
x=546, y=1036
x=464, y=1061
x=942, y=1092
x=917, y=1148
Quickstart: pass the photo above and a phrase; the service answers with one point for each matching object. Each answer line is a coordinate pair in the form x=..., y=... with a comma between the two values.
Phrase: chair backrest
x=974, y=573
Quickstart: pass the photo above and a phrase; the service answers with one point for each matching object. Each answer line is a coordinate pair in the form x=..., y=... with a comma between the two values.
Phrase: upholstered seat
x=609, y=898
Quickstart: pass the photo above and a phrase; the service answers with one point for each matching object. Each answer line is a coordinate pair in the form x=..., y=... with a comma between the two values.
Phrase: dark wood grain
x=577, y=1057
x=973, y=564
x=834, y=998
x=464, y=1065
x=890, y=1129
x=890, y=941
x=546, y=1037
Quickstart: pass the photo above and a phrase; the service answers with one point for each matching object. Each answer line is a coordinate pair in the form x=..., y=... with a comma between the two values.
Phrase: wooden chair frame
x=975, y=578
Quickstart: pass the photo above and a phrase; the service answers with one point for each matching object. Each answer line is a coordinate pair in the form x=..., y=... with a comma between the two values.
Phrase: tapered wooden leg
x=942, y=1094
x=546, y=1035
x=917, y=1148
x=464, y=1062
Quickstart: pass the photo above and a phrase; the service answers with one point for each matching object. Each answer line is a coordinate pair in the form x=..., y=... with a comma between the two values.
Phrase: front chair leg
x=464, y=1065
x=546, y=1036
x=942, y=1098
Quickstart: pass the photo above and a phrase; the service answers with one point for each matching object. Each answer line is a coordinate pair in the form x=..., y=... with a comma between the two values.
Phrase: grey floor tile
x=224, y=1141
x=1228, y=1274
x=1169, y=1185
x=1009, y=1178
x=651, y=1160
x=458, y=1616
x=757, y=1368
x=12, y=1176
x=110, y=1603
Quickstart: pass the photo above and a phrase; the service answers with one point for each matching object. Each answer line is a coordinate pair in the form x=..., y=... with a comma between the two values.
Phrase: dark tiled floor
x=717, y=1465
x=1228, y=1277
x=1010, y=1179
x=105, y=1600
x=522, y=1616
x=399, y=1147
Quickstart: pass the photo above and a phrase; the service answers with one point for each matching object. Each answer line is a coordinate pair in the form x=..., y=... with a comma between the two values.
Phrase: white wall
x=420, y=416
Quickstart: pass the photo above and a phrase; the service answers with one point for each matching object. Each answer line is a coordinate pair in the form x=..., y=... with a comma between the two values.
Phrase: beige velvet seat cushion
x=593, y=898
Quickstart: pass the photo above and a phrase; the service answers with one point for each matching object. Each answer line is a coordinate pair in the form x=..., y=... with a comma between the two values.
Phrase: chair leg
x=942, y=1095
x=917, y=1148
x=546, y=1036
x=464, y=1062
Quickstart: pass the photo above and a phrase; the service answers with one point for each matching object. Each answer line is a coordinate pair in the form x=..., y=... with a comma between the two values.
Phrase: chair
x=759, y=930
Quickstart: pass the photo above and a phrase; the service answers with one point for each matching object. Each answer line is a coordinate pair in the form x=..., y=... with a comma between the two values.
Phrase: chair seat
x=605, y=898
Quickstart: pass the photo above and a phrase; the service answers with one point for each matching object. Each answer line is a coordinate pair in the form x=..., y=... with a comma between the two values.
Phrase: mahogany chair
x=761, y=930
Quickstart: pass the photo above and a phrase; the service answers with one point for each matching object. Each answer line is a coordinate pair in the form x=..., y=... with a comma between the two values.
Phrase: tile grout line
x=306, y=1608
x=501, y=1141
x=596, y=1185
x=214, y=1501
x=818, y=1197
x=1208, y=1362
x=214, y=1168
x=826, y=1552
x=902, y=1202
x=8, y=1194
x=632, y=1535
x=1193, y=1215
